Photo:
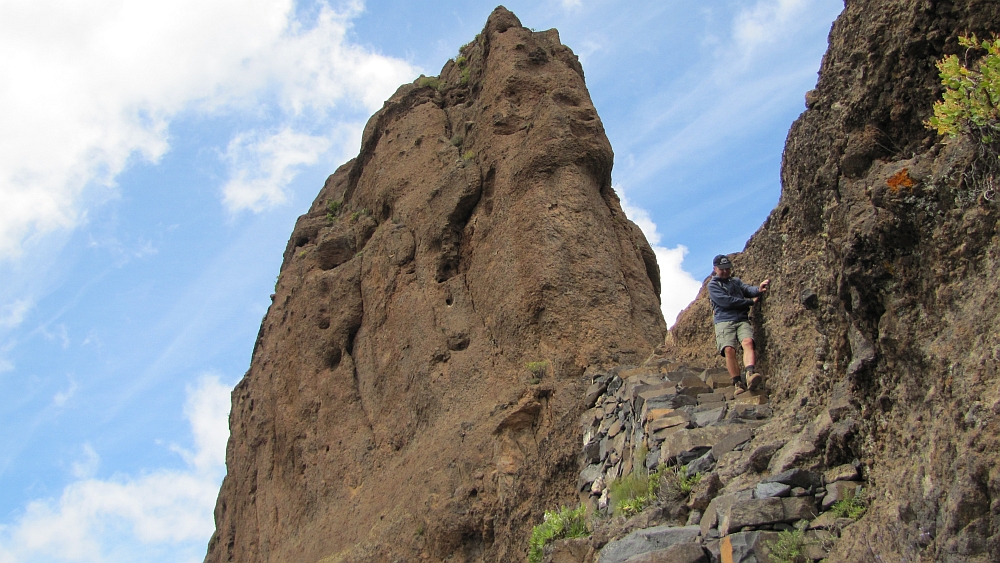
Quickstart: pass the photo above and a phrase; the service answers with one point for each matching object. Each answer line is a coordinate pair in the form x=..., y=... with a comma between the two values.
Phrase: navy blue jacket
x=731, y=299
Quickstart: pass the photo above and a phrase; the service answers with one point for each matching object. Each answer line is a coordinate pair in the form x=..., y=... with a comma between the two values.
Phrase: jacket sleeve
x=723, y=300
x=750, y=290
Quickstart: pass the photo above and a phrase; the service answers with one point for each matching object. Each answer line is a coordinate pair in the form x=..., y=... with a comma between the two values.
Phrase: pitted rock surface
x=388, y=414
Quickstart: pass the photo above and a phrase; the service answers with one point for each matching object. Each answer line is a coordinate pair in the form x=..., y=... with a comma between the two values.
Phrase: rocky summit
x=465, y=335
x=415, y=387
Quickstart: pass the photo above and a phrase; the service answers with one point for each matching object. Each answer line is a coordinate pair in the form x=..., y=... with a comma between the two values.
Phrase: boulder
x=645, y=541
x=687, y=552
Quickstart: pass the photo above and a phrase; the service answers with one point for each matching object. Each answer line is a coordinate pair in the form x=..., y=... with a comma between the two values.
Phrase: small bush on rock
x=788, y=547
x=852, y=508
x=566, y=523
x=634, y=492
x=970, y=106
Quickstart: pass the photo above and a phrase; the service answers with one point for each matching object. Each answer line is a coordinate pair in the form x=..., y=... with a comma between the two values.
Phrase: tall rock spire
x=389, y=413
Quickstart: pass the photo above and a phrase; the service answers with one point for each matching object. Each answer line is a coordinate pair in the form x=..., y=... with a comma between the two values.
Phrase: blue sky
x=154, y=157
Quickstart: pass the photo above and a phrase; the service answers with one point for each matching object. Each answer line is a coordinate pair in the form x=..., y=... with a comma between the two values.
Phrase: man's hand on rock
x=764, y=284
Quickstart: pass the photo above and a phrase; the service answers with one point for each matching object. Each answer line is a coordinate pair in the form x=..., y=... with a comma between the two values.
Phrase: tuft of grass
x=538, y=369
x=852, y=508
x=333, y=209
x=302, y=254
x=567, y=523
x=466, y=73
x=461, y=60
x=429, y=82
x=634, y=492
x=355, y=215
x=468, y=155
x=457, y=140
x=681, y=481
x=788, y=547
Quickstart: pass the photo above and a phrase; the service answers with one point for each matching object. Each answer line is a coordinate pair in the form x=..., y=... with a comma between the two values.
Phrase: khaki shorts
x=731, y=333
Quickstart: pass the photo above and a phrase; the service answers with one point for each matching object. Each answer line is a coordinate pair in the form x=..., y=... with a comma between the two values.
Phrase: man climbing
x=731, y=302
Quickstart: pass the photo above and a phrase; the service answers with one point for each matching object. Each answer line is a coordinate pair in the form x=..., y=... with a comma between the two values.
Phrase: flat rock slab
x=796, y=478
x=753, y=512
x=846, y=472
x=687, y=552
x=646, y=541
x=678, y=419
x=840, y=490
x=757, y=397
x=712, y=416
x=685, y=440
x=731, y=441
x=746, y=547
x=770, y=490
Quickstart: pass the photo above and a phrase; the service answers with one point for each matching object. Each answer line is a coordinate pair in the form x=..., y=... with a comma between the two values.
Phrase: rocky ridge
x=389, y=413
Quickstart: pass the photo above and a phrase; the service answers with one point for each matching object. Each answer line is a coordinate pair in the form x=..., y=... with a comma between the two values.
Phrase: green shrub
x=537, y=369
x=429, y=82
x=634, y=492
x=457, y=140
x=466, y=72
x=852, y=508
x=787, y=548
x=556, y=525
x=461, y=60
x=681, y=481
x=333, y=209
x=971, y=95
x=969, y=107
x=468, y=155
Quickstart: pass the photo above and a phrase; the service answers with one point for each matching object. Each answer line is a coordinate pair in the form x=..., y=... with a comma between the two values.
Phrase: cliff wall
x=390, y=412
x=882, y=254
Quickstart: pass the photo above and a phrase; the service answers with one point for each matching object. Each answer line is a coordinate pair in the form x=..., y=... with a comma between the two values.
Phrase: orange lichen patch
x=901, y=180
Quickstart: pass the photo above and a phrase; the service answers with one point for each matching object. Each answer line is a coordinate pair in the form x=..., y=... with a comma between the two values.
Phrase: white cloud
x=263, y=166
x=678, y=287
x=765, y=21
x=61, y=397
x=571, y=3
x=126, y=517
x=12, y=314
x=86, y=467
x=86, y=87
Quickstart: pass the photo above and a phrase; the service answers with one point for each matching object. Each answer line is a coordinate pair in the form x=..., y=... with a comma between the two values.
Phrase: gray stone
x=692, y=385
x=590, y=474
x=816, y=543
x=753, y=512
x=838, y=491
x=687, y=552
x=769, y=490
x=694, y=518
x=746, y=547
x=704, y=491
x=688, y=457
x=708, y=417
x=702, y=465
x=761, y=456
x=797, y=478
x=846, y=472
x=652, y=459
x=571, y=550
x=799, y=508
x=592, y=417
x=605, y=448
x=718, y=506
x=645, y=541
x=595, y=391
x=687, y=440
x=592, y=452
x=749, y=412
x=730, y=441
x=614, y=429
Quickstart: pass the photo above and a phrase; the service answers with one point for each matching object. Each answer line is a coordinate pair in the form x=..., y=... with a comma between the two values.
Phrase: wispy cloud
x=263, y=166
x=12, y=314
x=64, y=395
x=126, y=517
x=88, y=87
x=678, y=287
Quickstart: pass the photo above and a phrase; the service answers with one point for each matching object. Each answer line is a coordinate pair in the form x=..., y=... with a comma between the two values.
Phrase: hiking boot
x=754, y=381
x=740, y=387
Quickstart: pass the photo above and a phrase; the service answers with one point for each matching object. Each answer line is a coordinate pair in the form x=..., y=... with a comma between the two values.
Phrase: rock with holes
x=477, y=231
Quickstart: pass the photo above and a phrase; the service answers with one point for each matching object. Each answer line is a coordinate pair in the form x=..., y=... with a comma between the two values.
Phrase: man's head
x=722, y=267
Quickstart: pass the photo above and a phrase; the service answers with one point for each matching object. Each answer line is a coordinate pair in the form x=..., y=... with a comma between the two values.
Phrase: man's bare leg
x=753, y=380
x=749, y=357
x=733, y=366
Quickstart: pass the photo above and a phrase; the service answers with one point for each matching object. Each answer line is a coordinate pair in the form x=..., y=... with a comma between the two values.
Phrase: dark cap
x=722, y=262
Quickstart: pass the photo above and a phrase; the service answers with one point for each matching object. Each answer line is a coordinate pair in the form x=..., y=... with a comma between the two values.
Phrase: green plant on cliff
x=632, y=493
x=333, y=209
x=788, y=547
x=537, y=369
x=970, y=105
x=567, y=523
x=852, y=508
x=429, y=82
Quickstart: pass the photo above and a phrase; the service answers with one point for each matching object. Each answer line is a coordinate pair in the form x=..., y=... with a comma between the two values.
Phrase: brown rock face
x=388, y=414
x=879, y=333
